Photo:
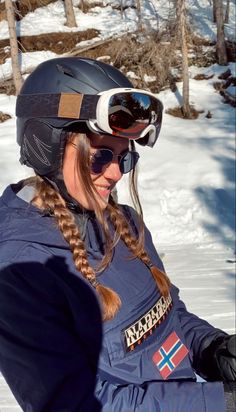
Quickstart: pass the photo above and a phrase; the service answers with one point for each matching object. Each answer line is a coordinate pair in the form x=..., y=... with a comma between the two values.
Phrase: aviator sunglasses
x=102, y=158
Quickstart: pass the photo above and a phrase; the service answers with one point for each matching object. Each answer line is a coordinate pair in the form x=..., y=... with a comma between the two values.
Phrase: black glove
x=225, y=357
x=218, y=361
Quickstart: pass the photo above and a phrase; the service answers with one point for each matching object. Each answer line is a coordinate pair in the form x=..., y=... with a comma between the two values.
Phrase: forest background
x=185, y=52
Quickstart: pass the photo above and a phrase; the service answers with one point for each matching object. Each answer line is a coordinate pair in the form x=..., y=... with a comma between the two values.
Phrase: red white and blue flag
x=169, y=355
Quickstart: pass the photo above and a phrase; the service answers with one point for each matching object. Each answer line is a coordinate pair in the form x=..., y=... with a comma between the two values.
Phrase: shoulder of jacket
x=18, y=251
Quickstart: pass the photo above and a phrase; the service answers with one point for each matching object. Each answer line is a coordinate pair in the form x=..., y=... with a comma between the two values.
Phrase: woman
x=70, y=255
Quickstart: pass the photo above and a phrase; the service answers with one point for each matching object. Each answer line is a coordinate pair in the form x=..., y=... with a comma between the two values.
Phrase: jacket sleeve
x=158, y=397
x=43, y=352
x=198, y=333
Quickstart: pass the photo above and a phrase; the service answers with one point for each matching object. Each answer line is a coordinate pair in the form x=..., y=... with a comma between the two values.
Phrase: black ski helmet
x=42, y=138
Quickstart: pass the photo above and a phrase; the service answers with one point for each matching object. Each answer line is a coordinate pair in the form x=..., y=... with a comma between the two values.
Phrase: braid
x=136, y=247
x=50, y=200
x=122, y=227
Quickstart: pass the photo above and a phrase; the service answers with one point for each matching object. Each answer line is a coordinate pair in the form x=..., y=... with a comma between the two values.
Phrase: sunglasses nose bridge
x=113, y=170
x=116, y=159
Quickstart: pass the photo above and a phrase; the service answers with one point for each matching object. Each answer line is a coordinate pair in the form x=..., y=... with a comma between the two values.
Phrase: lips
x=103, y=191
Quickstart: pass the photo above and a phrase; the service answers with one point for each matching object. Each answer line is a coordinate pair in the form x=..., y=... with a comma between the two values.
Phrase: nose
x=113, y=172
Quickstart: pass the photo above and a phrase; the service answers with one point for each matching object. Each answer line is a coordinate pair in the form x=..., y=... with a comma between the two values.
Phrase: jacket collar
x=22, y=221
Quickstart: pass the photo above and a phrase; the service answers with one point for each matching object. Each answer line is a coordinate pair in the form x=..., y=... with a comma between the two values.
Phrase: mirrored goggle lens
x=131, y=112
x=103, y=157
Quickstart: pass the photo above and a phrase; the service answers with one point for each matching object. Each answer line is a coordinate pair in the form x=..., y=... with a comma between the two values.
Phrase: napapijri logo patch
x=136, y=333
x=169, y=355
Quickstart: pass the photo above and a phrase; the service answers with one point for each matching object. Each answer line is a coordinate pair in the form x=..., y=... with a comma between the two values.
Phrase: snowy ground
x=109, y=20
x=155, y=14
x=187, y=182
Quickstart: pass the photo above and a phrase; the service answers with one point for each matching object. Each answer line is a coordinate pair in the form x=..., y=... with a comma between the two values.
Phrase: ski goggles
x=129, y=113
x=124, y=112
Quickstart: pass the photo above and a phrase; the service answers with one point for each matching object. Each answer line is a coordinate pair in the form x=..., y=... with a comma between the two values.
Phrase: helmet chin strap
x=81, y=214
x=57, y=182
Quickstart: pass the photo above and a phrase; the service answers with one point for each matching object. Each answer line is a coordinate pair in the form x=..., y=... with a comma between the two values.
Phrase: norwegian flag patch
x=170, y=355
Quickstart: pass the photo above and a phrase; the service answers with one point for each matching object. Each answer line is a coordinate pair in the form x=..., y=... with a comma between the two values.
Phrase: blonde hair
x=49, y=199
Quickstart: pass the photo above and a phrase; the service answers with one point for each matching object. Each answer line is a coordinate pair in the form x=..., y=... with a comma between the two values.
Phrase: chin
x=103, y=201
x=103, y=204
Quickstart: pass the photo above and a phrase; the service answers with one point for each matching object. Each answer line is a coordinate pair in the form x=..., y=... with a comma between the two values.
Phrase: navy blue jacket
x=53, y=351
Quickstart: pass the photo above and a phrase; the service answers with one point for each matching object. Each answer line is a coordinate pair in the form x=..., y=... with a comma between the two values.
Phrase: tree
x=70, y=15
x=17, y=77
x=227, y=12
x=181, y=22
x=221, y=51
x=214, y=11
x=139, y=13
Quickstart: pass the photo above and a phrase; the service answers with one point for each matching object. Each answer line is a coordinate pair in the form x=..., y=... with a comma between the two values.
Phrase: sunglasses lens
x=100, y=159
x=103, y=157
x=131, y=113
x=128, y=162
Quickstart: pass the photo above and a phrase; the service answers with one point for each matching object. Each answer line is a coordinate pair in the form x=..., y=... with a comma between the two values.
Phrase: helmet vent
x=65, y=70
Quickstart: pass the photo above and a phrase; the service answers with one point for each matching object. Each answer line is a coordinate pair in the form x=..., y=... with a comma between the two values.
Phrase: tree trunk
x=221, y=52
x=17, y=78
x=227, y=12
x=181, y=19
x=140, y=27
x=214, y=11
x=70, y=15
x=121, y=9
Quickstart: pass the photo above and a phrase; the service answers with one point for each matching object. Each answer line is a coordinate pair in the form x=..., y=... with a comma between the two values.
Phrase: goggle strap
x=63, y=105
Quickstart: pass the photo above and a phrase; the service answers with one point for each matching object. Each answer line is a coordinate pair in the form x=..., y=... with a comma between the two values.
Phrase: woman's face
x=103, y=182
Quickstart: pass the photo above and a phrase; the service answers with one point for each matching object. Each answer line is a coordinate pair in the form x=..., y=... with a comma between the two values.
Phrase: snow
x=28, y=62
x=187, y=179
x=186, y=182
x=154, y=14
